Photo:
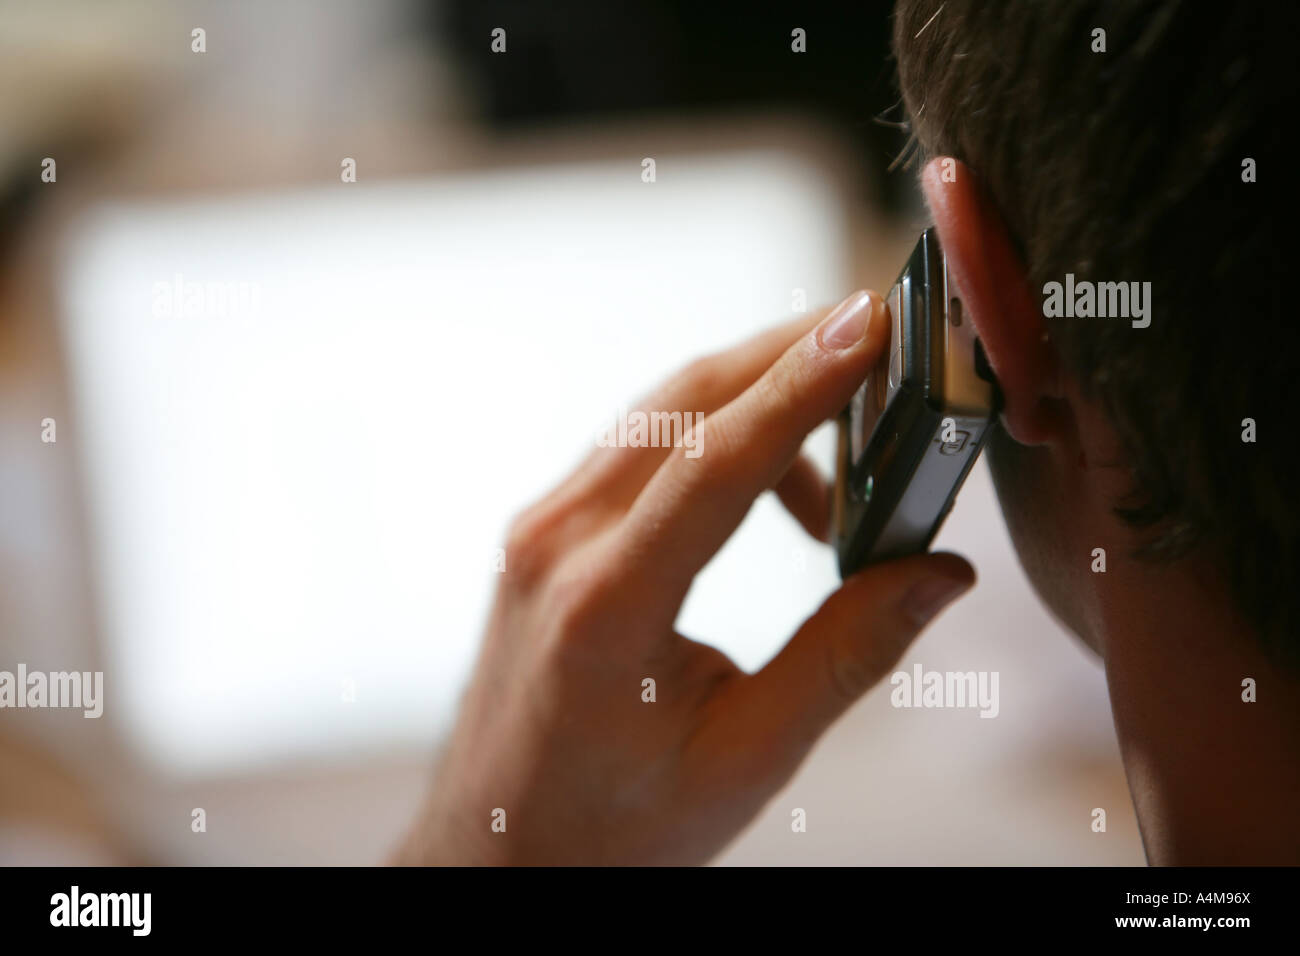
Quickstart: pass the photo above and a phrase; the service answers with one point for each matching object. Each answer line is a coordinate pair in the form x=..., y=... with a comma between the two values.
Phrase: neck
x=1215, y=779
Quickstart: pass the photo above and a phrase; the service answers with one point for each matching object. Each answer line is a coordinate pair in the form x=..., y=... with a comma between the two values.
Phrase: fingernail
x=847, y=323
x=929, y=597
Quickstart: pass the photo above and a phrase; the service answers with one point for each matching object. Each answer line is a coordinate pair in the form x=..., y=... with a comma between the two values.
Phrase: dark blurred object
x=587, y=59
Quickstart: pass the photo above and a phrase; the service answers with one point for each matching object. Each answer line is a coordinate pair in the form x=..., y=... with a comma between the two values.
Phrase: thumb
x=855, y=638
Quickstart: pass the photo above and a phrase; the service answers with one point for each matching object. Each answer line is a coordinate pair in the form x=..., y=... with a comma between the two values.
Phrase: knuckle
x=696, y=377
x=850, y=675
x=576, y=598
x=528, y=545
x=715, y=469
x=781, y=387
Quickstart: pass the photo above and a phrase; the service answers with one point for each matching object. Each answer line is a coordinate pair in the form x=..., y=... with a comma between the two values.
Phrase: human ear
x=991, y=281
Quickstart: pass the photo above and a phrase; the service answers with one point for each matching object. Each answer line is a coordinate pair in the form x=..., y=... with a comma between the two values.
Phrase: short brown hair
x=1128, y=165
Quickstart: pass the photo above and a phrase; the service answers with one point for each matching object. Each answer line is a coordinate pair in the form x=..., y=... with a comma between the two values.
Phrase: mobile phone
x=912, y=431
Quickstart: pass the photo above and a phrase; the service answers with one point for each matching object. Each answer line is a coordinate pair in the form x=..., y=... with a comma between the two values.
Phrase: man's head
x=1108, y=141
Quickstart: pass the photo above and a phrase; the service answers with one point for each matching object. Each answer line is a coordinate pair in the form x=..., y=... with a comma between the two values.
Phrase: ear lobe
x=985, y=268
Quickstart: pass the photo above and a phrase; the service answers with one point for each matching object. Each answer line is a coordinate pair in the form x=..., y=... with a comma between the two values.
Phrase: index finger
x=692, y=505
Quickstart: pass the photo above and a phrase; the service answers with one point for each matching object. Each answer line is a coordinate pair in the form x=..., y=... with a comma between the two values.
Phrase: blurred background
x=296, y=413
